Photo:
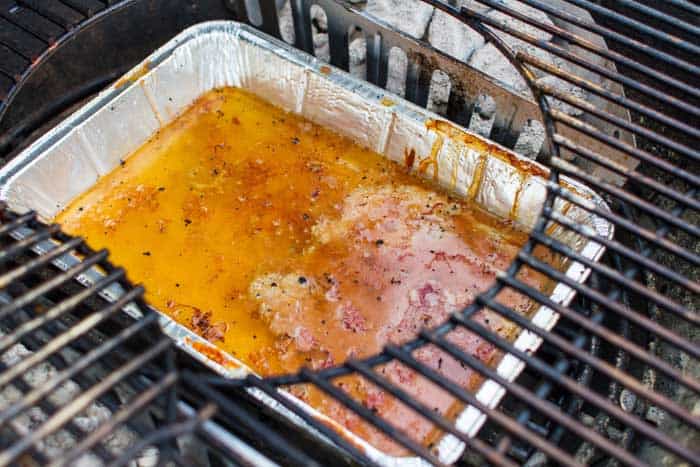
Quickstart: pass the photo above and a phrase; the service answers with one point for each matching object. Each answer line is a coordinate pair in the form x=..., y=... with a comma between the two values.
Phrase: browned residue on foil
x=409, y=157
x=516, y=201
x=456, y=134
x=524, y=167
x=386, y=102
x=133, y=76
x=432, y=159
x=213, y=354
x=478, y=176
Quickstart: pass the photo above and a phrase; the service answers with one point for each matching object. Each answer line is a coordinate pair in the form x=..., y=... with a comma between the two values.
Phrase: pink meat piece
x=392, y=263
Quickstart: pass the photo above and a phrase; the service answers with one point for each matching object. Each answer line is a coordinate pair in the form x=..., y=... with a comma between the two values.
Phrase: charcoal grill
x=616, y=381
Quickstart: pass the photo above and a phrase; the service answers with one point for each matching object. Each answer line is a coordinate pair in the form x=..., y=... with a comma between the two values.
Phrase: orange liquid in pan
x=286, y=245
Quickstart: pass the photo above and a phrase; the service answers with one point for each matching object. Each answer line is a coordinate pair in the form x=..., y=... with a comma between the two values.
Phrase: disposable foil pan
x=69, y=159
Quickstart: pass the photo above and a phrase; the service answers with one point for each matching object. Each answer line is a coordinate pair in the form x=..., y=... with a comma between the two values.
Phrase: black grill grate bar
x=69, y=411
x=518, y=429
x=35, y=34
x=86, y=7
x=495, y=457
x=668, y=39
x=592, y=67
x=605, y=306
x=276, y=442
x=572, y=350
x=602, y=51
x=34, y=294
x=639, y=154
x=621, y=279
x=626, y=224
x=40, y=261
x=566, y=167
x=66, y=337
x=608, y=335
x=125, y=413
x=687, y=6
x=27, y=242
x=614, y=306
x=166, y=433
x=659, y=15
x=618, y=121
x=57, y=12
x=56, y=335
x=16, y=222
x=689, y=200
x=528, y=396
x=48, y=408
x=619, y=99
x=571, y=385
x=331, y=434
x=612, y=35
x=625, y=252
x=36, y=394
x=397, y=434
x=57, y=311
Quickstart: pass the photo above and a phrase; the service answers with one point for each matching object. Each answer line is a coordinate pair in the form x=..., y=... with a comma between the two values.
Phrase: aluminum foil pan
x=69, y=159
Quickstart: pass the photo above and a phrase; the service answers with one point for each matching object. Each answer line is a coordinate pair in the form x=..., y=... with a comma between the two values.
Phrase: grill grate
x=616, y=381
x=81, y=379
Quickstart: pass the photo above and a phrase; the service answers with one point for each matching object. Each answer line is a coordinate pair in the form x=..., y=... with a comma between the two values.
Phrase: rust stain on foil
x=212, y=353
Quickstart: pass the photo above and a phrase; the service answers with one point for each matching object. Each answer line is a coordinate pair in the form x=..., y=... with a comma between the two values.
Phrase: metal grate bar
x=532, y=399
x=572, y=386
x=440, y=422
x=277, y=442
x=609, y=34
x=68, y=373
x=600, y=299
x=626, y=252
x=31, y=265
x=576, y=59
x=659, y=15
x=57, y=281
x=619, y=122
x=612, y=97
x=627, y=149
x=670, y=40
x=273, y=393
x=69, y=411
x=687, y=6
x=56, y=312
x=601, y=331
x=29, y=241
x=120, y=417
x=597, y=364
x=643, y=206
x=620, y=221
x=641, y=179
x=164, y=434
x=397, y=434
x=617, y=58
